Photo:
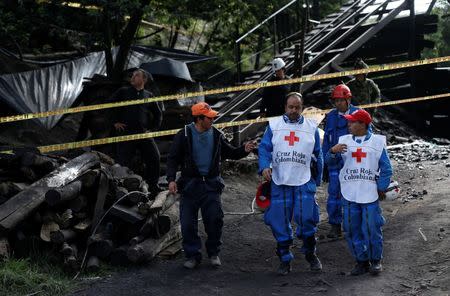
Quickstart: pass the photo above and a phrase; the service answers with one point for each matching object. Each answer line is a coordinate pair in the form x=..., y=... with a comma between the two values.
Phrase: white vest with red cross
x=293, y=145
x=360, y=171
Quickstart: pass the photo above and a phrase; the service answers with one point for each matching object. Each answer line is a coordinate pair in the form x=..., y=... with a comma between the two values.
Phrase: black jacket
x=181, y=154
x=136, y=117
x=274, y=99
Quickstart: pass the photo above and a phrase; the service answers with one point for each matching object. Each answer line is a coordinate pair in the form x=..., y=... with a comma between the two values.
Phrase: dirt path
x=412, y=265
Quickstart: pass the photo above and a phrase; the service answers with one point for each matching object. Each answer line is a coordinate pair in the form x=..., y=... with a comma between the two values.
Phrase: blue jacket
x=266, y=148
x=335, y=160
x=335, y=126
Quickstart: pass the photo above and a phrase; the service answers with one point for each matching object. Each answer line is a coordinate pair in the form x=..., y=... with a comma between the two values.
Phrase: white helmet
x=393, y=191
x=278, y=64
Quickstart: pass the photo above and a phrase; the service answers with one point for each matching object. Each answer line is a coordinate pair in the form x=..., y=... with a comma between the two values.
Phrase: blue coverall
x=363, y=222
x=292, y=201
x=335, y=126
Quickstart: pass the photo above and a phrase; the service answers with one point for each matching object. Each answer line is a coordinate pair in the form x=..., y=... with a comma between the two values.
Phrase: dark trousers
x=203, y=195
x=150, y=157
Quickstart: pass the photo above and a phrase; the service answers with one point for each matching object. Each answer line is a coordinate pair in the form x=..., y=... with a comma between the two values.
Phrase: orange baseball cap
x=203, y=108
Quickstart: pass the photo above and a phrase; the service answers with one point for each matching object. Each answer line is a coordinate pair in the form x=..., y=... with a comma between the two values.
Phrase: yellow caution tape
x=225, y=90
x=111, y=140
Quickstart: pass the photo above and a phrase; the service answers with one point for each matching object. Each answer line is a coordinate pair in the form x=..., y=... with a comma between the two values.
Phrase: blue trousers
x=362, y=226
x=296, y=202
x=334, y=203
x=203, y=195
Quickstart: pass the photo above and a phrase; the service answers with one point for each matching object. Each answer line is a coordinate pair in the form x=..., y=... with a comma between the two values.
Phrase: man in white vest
x=364, y=177
x=289, y=147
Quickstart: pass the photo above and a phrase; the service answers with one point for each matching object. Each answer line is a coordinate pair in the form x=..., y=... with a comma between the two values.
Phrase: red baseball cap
x=359, y=115
x=203, y=108
x=262, y=199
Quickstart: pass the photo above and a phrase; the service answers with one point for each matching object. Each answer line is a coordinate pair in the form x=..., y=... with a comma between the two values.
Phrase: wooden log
x=137, y=239
x=137, y=197
x=119, y=256
x=103, y=187
x=100, y=244
x=93, y=264
x=149, y=226
x=119, y=172
x=89, y=178
x=160, y=199
x=49, y=216
x=62, y=235
x=24, y=203
x=46, y=229
x=144, y=207
x=70, y=253
x=132, y=182
x=144, y=187
x=149, y=248
x=82, y=226
x=121, y=192
x=127, y=214
x=168, y=219
x=65, y=219
x=66, y=249
x=78, y=203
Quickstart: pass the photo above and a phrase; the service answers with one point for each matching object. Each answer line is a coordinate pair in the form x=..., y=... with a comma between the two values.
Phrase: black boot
x=314, y=262
x=375, y=267
x=335, y=231
x=284, y=268
x=360, y=268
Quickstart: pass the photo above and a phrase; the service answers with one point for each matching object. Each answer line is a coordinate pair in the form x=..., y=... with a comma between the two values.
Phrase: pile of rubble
x=419, y=151
x=84, y=206
x=413, y=157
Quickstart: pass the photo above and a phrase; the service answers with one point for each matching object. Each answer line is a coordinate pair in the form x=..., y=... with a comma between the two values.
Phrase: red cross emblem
x=359, y=154
x=291, y=139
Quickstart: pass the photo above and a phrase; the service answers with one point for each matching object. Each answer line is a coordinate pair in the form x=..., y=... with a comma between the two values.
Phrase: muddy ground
x=413, y=264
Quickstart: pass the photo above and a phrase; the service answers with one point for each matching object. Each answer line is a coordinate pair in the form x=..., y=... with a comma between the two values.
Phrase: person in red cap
x=336, y=126
x=198, y=148
x=365, y=173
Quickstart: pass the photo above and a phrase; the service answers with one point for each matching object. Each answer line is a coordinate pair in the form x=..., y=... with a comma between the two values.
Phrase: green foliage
x=100, y=27
x=21, y=277
x=441, y=38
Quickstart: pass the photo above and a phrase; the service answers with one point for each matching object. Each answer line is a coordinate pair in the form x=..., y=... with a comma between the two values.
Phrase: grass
x=33, y=277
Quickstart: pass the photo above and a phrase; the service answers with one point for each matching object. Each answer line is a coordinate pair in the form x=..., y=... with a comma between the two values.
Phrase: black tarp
x=168, y=67
x=58, y=86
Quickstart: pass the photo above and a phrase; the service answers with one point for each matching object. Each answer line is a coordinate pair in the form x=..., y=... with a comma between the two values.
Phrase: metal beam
x=345, y=35
x=358, y=42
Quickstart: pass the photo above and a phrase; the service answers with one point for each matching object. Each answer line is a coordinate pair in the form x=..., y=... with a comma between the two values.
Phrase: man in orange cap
x=364, y=176
x=198, y=148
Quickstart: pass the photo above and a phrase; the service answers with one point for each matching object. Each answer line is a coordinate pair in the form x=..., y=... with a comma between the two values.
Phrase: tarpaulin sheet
x=58, y=86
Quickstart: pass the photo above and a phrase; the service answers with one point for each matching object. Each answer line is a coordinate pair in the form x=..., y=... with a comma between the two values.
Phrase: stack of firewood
x=85, y=206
